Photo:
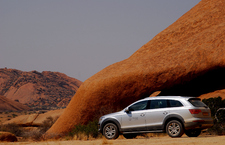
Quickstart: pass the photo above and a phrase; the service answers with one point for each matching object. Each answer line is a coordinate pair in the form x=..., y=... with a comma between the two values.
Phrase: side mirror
x=127, y=110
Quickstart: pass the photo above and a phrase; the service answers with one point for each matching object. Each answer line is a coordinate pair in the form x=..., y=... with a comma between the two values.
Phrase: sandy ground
x=202, y=140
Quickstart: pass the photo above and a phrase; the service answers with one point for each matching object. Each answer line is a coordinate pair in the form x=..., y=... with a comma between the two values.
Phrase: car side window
x=139, y=106
x=175, y=103
x=158, y=104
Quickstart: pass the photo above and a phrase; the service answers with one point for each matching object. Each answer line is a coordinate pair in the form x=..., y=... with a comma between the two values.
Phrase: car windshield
x=197, y=103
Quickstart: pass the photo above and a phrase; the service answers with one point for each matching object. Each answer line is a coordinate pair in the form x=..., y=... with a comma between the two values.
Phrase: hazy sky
x=80, y=37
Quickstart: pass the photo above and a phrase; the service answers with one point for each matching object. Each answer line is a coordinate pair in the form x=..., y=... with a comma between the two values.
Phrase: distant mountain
x=46, y=89
x=9, y=105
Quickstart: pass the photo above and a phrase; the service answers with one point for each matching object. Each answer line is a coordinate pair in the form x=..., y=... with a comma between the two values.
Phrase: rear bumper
x=198, y=124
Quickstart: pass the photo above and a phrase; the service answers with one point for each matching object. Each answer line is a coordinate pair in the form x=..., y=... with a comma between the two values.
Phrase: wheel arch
x=173, y=117
x=110, y=120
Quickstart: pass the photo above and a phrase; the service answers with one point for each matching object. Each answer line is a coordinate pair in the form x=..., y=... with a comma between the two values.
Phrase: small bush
x=214, y=104
x=89, y=130
x=220, y=116
x=47, y=124
x=217, y=129
x=219, y=124
x=36, y=135
x=33, y=134
x=14, y=115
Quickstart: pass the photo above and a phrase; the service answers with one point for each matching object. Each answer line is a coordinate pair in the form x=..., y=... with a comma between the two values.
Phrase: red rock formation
x=191, y=47
x=49, y=89
x=7, y=137
x=218, y=93
x=9, y=105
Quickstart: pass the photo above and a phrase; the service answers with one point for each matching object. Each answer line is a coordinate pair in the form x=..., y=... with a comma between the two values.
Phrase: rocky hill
x=46, y=89
x=9, y=105
x=187, y=58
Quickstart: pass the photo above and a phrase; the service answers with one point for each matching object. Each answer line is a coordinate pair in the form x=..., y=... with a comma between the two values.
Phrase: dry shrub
x=217, y=129
x=88, y=131
x=80, y=136
x=34, y=135
x=46, y=124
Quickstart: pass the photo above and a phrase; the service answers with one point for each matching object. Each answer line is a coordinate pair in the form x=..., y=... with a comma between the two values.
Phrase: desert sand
x=207, y=140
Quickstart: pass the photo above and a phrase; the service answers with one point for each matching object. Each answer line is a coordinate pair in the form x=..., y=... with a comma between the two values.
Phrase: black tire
x=174, y=129
x=193, y=133
x=130, y=136
x=110, y=131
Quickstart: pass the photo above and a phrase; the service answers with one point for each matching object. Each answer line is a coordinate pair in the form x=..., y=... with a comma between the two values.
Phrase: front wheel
x=110, y=131
x=193, y=133
x=174, y=129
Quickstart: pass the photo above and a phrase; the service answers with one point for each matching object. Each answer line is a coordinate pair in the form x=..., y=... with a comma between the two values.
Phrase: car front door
x=135, y=117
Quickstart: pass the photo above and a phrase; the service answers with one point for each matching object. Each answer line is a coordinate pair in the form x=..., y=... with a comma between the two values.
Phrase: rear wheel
x=174, y=129
x=130, y=136
x=193, y=133
x=110, y=131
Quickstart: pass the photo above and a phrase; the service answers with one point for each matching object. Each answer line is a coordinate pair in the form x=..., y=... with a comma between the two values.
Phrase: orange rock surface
x=35, y=119
x=10, y=105
x=189, y=48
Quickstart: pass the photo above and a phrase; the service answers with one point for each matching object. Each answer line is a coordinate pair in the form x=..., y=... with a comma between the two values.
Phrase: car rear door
x=156, y=114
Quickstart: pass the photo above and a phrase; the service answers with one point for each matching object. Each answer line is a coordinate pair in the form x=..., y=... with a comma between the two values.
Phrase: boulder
x=35, y=119
x=7, y=137
x=171, y=62
x=41, y=117
x=23, y=120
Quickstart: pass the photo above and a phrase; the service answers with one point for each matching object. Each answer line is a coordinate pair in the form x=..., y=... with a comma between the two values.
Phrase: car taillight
x=195, y=111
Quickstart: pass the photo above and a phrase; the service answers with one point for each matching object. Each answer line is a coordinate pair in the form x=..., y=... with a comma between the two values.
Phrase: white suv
x=174, y=115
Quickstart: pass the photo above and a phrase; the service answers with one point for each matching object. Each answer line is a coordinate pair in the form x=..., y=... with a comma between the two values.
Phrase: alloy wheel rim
x=174, y=129
x=110, y=131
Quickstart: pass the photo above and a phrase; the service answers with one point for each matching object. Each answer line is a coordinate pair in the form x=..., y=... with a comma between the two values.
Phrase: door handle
x=165, y=113
x=142, y=114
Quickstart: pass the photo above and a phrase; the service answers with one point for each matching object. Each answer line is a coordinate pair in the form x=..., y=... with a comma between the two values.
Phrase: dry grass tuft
x=148, y=135
x=80, y=136
x=106, y=142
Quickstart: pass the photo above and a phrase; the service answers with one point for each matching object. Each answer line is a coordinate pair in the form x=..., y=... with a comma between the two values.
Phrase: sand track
x=207, y=140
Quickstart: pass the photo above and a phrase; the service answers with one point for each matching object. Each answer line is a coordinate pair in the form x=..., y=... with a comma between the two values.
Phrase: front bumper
x=99, y=128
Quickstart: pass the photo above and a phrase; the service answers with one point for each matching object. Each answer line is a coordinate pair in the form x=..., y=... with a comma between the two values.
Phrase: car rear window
x=197, y=102
x=175, y=103
x=155, y=104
